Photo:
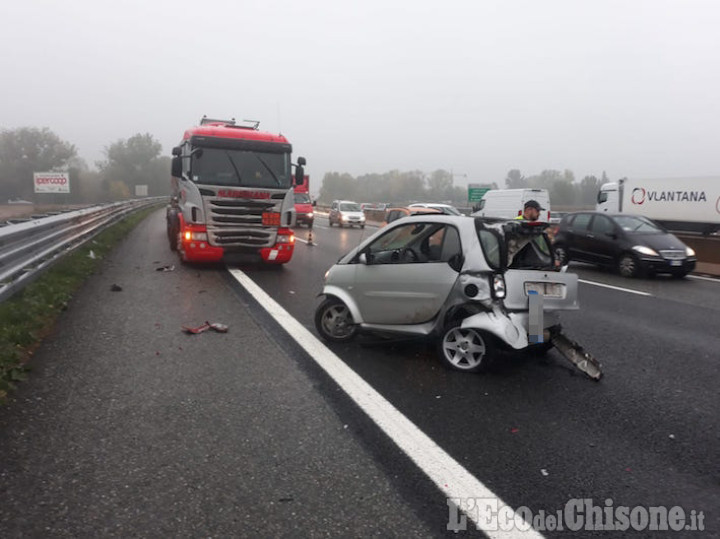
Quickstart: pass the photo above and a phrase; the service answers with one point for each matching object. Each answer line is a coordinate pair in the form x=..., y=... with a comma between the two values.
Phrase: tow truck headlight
x=285, y=238
x=645, y=250
x=195, y=236
x=689, y=251
x=498, y=286
x=310, y=214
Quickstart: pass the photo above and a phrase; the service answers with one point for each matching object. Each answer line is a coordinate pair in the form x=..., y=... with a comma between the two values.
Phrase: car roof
x=414, y=209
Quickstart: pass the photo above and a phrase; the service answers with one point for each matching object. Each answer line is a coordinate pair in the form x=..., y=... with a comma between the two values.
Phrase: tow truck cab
x=233, y=194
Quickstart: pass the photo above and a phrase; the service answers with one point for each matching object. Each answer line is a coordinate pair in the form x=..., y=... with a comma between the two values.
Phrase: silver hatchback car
x=475, y=286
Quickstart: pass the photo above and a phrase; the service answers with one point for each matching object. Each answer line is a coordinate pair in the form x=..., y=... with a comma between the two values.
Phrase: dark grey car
x=634, y=245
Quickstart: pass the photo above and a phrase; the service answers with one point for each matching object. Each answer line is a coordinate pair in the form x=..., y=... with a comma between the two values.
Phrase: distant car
x=634, y=245
x=346, y=213
x=446, y=209
x=304, y=214
x=393, y=214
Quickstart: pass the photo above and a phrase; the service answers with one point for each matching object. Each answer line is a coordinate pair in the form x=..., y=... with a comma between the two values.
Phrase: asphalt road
x=128, y=427
x=533, y=430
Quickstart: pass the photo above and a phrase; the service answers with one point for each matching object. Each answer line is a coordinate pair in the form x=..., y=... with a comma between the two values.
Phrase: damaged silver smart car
x=476, y=286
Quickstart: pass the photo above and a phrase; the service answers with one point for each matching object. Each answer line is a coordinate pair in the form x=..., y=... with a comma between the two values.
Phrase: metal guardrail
x=30, y=246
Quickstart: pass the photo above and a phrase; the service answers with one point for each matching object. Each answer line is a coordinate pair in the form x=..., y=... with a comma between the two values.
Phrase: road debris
x=116, y=288
x=165, y=268
x=91, y=255
x=544, y=472
x=215, y=326
x=577, y=355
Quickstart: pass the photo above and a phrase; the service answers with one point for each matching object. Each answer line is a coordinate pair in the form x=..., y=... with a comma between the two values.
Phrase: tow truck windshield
x=241, y=168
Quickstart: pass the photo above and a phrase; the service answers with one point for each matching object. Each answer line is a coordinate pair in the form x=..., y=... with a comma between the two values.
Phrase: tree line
x=128, y=162
x=398, y=187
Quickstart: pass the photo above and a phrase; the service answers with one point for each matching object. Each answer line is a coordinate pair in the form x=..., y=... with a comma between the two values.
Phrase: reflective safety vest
x=540, y=241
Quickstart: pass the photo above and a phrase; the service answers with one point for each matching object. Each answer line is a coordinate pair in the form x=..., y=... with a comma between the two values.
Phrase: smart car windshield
x=350, y=206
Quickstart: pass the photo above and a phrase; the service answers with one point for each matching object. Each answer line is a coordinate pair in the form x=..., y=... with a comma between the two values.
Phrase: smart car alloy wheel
x=466, y=349
x=334, y=321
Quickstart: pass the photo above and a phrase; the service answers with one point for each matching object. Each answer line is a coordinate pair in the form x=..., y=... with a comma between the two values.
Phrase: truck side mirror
x=176, y=167
x=301, y=161
x=299, y=174
x=177, y=150
x=314, y=203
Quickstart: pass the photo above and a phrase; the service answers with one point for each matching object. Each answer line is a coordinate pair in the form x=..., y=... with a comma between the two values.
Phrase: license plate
x=549, y=290
x=676, y=262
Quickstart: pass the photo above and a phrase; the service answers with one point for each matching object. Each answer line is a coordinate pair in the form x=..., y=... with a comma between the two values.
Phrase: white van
x=509, y=203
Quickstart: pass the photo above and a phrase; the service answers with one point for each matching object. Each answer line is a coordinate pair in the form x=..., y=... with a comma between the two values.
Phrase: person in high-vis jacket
x=531, y=212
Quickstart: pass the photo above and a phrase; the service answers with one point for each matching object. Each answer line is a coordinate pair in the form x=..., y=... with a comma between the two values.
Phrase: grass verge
x=30, y=315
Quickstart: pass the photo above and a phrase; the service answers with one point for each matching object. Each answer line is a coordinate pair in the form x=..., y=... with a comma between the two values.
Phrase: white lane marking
x=704, y=278
x=628, y=290
x=300, y=239
x=449, y=476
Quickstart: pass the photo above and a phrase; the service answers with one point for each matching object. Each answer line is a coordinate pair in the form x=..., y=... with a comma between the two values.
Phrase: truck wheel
x=628, y=265
x=466, y=349
x=334, y=321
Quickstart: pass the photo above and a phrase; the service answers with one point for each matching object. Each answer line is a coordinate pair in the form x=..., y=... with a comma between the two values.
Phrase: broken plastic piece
x=116, y=288
x=577, y=355
x=165, y=268
x=215, y=326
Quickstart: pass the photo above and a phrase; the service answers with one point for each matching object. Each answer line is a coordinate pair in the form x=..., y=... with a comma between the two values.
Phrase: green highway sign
x=475, y=193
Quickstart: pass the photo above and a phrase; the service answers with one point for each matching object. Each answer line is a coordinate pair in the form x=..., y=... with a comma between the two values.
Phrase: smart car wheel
x=627, y=265
x=466, y=349
x=334, y=321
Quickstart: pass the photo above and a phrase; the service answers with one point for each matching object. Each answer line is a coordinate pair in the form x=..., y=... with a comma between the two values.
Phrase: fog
x=473, y=87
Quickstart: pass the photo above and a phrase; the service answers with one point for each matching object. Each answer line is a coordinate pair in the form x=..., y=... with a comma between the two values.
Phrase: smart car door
x=405, y=277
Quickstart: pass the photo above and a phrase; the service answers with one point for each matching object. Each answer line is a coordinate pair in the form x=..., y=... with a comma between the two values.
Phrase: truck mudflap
x=577, y=355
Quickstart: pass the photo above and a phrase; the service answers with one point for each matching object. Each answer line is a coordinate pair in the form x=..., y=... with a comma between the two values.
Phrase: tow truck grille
x=239, y=222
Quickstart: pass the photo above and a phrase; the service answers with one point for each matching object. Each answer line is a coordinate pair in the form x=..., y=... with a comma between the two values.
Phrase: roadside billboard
x=51, y=182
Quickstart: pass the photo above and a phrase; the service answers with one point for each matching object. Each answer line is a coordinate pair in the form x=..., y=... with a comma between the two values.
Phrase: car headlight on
x=498, y=286
x=362, y=217
x=645, y=250
x=689, y=251
x=310, y=214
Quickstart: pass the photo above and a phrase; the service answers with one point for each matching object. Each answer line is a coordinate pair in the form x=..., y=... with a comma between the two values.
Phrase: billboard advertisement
x=51, y=182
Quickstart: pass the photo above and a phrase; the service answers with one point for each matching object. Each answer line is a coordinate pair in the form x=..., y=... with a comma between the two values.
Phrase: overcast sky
x=479, y=87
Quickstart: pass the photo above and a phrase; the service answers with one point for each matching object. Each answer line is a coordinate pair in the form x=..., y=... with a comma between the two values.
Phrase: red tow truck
x=233, y=196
